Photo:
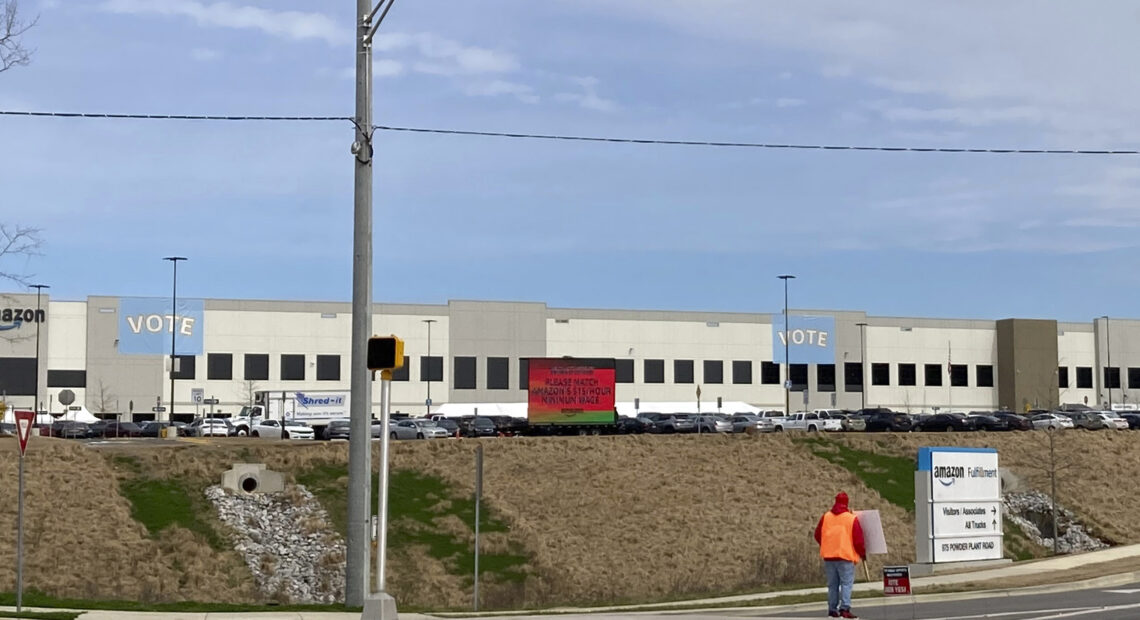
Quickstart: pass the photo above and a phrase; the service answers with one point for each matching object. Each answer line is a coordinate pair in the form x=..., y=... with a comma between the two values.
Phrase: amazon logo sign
x=14, y=318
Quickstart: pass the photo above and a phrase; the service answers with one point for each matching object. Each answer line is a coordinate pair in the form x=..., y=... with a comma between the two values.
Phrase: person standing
x=841, y=546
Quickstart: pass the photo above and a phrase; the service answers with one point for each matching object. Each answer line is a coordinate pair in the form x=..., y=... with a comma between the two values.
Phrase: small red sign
x=24, y=420
x=896, y=580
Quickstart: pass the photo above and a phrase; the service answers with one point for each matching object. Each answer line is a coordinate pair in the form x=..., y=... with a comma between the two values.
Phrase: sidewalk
x=994, y=575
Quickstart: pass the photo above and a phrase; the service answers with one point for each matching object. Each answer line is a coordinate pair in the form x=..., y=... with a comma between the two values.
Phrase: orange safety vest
x=835, y=540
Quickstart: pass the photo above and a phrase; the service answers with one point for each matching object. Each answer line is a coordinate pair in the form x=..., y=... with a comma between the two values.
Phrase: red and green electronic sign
x=571, y=391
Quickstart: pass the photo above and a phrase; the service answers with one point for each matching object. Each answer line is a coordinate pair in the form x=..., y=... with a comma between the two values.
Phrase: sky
x=264, y=210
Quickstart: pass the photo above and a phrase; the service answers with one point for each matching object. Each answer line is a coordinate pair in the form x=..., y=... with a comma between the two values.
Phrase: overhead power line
x=573, y=138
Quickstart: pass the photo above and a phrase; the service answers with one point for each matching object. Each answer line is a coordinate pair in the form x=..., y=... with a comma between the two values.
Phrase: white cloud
x=294, y=25
x=522, y=92
x=441, y=56
x=588, y=98
x=203, y=54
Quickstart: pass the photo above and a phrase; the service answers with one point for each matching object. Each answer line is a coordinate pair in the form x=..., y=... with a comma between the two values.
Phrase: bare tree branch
x=16, y=241
x=12, y=50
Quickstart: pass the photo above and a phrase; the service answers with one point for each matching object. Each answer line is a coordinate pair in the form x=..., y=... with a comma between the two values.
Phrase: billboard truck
x=313, y=407
x=571, y=396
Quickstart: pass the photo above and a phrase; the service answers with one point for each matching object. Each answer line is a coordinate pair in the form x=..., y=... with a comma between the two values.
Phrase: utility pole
x=427, y=366
x=787, y=361
x=173, y=330
x=863, y=364
x=358, y=541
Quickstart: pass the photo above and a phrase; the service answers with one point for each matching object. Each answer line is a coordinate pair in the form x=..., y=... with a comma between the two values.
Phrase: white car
x=1113, y=420
x=273, y=429
x=416, y=429
x=1051, y=421
x=210, y=427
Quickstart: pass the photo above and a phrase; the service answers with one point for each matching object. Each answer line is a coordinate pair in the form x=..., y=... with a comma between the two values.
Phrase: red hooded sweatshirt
x=839, y=508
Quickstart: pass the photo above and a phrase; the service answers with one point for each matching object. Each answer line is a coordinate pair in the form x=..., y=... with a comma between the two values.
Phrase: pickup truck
x=810, y=422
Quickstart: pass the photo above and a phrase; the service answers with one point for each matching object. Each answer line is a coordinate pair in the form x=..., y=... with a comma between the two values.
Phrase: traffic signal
x=385, y=353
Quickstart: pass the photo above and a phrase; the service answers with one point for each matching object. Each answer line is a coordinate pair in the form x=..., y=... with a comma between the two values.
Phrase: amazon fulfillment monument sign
x=958, y=505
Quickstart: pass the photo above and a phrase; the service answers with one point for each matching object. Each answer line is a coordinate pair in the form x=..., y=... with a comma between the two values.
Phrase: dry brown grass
x=605, y=519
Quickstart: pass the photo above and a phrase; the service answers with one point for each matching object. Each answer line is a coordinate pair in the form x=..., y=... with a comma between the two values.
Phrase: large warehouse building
x=112, y=354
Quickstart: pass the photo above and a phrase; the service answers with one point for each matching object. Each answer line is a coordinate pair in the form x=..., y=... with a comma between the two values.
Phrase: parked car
x=1133, y=419
x=70, y=429
x=210, y=427
x=152, y=428
x=1112, y=420
x=447, y=424
x=713, y=423
x=751, y=423
x=508, y=426
x=338, y=429
x=627, y=425
x=1088, y=420
x=986, y=421
x=416, y=428
x=650, y=420
x=296, y=429
x=1015, y=421
x=118, y=429
x=476, y=426
x=7, y=429
x=880, y=419
x=853, y=423
x=1051, y=421
x=945, y=422
x=675, y=423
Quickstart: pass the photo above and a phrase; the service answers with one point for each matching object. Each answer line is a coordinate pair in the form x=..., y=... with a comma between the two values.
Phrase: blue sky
x=265, y=210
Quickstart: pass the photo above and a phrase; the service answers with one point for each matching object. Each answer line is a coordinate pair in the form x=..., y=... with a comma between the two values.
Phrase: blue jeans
x=840, y=579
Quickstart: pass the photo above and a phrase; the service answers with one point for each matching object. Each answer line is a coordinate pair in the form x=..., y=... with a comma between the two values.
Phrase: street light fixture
x=863, y=363
x=427, y=365
x=173, y=331
x=787, y=338
x=36, y=403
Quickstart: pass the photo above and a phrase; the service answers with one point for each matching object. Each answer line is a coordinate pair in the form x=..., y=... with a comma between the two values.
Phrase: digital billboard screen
x=571, y=391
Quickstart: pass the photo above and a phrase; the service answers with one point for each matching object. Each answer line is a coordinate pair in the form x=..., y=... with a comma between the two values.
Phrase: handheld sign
x=24, y=421
x=896, y=580
x=874, y=540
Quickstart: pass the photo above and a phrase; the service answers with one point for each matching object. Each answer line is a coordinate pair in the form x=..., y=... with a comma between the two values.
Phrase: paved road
x=1116, y=603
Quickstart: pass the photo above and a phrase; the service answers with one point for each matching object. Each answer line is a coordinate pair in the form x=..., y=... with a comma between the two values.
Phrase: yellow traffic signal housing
x=385, y=353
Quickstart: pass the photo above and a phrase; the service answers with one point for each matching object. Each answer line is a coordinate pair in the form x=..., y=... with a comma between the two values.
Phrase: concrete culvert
x=253, y=478
x=249, y=484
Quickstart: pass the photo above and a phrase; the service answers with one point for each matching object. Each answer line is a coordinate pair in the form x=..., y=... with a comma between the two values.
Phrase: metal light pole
x=863, y=362
x=36, y=404
x=173, y=331
x=787, y=338
x=1108, y=346
x=428, y=366
x=358, y=539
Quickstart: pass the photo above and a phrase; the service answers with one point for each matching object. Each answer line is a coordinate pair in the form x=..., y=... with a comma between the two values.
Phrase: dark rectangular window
x=498, y=373
x=184, y=365
x=769, y=373
x=18, y=375
x=907, y=374
x=853, y=376
x=623, y=371
x=682, y=371
x=959, y=375
x=880, y=373
x=742, y=372
x=1112, y=377
x=431, y=368
x=1133, y=378
x=825, y=377
x=220, y=366
x=1084, y=377
x=798, y=374
x=403, y=373
x=256, y=367
x=524, y=373
x=328, y=367
x=292, y=367
x=714, y=371
x=932, y=375
x=985, y=375
x=1063, y=376
x=465, y=372
x=67, y=378
x=654, y=371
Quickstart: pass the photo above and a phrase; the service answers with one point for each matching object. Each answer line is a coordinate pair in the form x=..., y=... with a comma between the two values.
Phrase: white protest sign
x=874, y=541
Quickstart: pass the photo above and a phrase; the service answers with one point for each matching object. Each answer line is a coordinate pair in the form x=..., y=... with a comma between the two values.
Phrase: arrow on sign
x=995, y=524
x=993, y=510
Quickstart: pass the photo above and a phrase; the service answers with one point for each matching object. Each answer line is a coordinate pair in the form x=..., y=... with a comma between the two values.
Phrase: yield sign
x=24, y=428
